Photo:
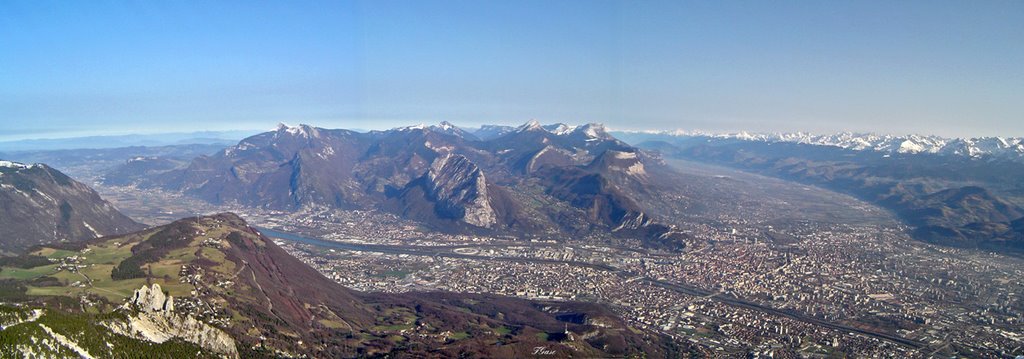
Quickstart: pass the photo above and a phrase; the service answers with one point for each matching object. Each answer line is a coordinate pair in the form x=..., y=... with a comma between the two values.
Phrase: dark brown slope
x=286, y=281
x=39, y=204
x=302, y=298
x=272, y=304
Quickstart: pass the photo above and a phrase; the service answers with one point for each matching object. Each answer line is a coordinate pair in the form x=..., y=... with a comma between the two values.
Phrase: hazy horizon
x=934, y=68
x=245, y=132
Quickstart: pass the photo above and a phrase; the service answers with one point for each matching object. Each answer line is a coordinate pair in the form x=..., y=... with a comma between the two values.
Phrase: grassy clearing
x=68, y=277
x=223, y=264
x=183, y=255
x=54, y=253
x=54, y=291
x=98, y=264
x=333, y=324
x=107, y=254
x=395, y=319
x=392, y=328
x=31, y=273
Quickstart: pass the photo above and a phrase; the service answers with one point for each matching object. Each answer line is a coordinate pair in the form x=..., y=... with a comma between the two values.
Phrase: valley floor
x=771, y=267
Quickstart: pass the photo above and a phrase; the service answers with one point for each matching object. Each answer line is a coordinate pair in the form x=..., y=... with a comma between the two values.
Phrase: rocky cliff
x=152, y=318
x=459, y=188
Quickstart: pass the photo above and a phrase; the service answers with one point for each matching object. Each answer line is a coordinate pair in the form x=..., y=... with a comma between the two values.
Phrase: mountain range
x=531, y=179
x=957, y=200
x=994, y=147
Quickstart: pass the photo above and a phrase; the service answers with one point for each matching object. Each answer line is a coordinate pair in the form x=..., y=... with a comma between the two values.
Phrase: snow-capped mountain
x=979, y=147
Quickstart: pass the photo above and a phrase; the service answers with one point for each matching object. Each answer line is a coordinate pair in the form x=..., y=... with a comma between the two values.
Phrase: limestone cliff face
x=458, y=185
x=613, y=162
x=156, y=321
x=152, y=300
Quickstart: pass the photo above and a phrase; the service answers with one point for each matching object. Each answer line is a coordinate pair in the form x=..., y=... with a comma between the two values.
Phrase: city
x=741, y=286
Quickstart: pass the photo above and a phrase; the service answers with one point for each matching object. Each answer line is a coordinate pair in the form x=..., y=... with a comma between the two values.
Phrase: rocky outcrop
x=153, y=318
x=459, y=187
x=152, y=300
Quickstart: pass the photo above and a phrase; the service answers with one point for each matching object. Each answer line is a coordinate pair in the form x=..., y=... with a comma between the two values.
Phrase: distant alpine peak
x=532, y=125
x=593, y=130
x=590, y=130
x=302, y=130
x=977, y=147
x=418, y=126
x=559, y=128
x=446, y=126
x=443, y=127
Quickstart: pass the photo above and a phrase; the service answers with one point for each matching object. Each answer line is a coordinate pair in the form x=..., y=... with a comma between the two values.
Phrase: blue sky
x=94, y=67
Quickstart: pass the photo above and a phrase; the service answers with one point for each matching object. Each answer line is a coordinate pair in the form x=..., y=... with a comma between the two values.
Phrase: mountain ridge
x=41, y=204
x=439, y=174
x=974, y=147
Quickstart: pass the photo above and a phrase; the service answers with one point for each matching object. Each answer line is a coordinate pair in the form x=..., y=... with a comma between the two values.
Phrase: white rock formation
x=157, y=322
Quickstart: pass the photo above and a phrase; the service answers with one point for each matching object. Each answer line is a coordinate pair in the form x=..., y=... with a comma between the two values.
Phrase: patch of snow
x=301, y=130
x=909, y=146
x=531, y=125
x=37, y=191
x=560, y=129
x=418, y=126
x=328, y=151
x=624, y=155
x=1001, y=147
x=95, y=233
x=12, y=164
x=446, y=126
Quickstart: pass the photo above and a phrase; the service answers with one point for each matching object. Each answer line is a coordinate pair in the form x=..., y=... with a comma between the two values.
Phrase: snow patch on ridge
x=96, y=234
x=12, y=164
x=1001, y=147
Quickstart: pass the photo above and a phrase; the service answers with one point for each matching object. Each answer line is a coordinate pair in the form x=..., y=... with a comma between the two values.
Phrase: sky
x=952, y=68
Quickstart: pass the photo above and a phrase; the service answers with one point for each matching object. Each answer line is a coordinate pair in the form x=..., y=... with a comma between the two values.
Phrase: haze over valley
x=512, y=179
x=706, y=245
